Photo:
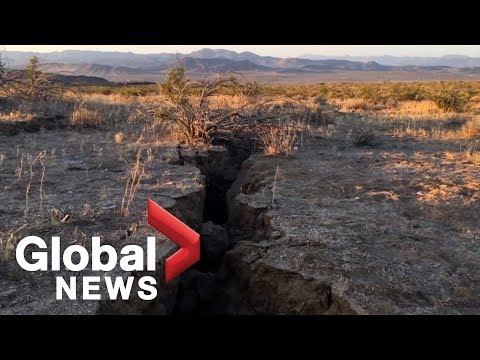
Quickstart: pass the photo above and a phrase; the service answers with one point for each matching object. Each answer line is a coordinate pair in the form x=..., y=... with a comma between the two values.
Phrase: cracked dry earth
x=387, y=230
x=83, y=186
x=332, y=229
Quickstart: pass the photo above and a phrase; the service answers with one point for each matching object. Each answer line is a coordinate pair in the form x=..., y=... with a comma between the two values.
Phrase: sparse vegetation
x=470, y=130
x=36, y=169
x=278, y=140
x=82, y=117
x=185, y=105
x=132, y=184
x=110, y=146
x=364, y=137
x=8, y=242
x=450, y=98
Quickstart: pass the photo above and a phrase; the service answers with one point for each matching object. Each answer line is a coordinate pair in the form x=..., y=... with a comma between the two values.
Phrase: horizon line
x=187, y=53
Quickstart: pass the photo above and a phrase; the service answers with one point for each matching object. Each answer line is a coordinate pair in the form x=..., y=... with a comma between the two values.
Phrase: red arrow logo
x=178, y=232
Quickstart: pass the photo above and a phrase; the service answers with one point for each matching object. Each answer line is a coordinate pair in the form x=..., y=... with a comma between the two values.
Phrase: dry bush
x=424, y=107
x=185, y=106
x=464, y=129
x=472, y=153
x=58, y=216
x=364, y=137
x=132, y=184
x=278, y=140
x=450, y=97
x=470, y=130
x=347, y=105
x=83, y=117
x=30, y=84
x=78, y=110
x=280, y=111
x=8, y=243
x=475, y=106
x=317, y=117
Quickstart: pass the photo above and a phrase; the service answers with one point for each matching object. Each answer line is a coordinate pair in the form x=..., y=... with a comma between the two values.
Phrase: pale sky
x=273, y=50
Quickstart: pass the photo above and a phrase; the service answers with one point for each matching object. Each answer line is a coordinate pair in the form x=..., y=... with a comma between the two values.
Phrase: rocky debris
x=202, y=288
x=214, y=240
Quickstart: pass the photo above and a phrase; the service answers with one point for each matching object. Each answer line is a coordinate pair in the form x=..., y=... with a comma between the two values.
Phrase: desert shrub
x=471, y=129
x=278, y=140
x=185, y=105
x=317, y=117
x=36, y=85
x=365, y=137
x=131, y=91
x=352, y=104
x=371, y=93
x=7, y=79
x=8, y=242
x=250, y=89
x=82, y=117
x=450, y=97
x=424, y=107
x=28, y=85
x=321, y=91
x=104, y=90
x=407, y=92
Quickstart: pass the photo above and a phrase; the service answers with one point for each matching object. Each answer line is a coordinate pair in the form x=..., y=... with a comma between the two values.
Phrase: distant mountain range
x=456, y=61
x=128, y=66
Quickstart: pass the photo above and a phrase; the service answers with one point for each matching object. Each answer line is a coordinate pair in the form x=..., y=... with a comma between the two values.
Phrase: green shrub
x=371, y=93
x=450, y=97
x=407, y=92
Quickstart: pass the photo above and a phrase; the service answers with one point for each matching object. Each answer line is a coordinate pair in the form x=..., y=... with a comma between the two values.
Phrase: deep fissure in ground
x=201, y=288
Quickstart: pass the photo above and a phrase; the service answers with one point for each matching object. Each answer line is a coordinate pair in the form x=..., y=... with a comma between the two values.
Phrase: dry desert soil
x=390, y=227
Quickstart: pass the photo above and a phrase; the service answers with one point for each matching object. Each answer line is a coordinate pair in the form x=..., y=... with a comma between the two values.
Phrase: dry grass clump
x=16, y=115
x=473, y=156
x=35, y=167
x=364, y=137
x=424, y=107
x=351, y=104
x=317, y=117
x=7, y=244
x=471, y=129
x=83, y=117
x=278, y=140
x=132, y=184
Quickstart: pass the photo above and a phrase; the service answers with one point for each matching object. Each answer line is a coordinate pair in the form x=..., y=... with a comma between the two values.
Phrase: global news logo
x=132, y=258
